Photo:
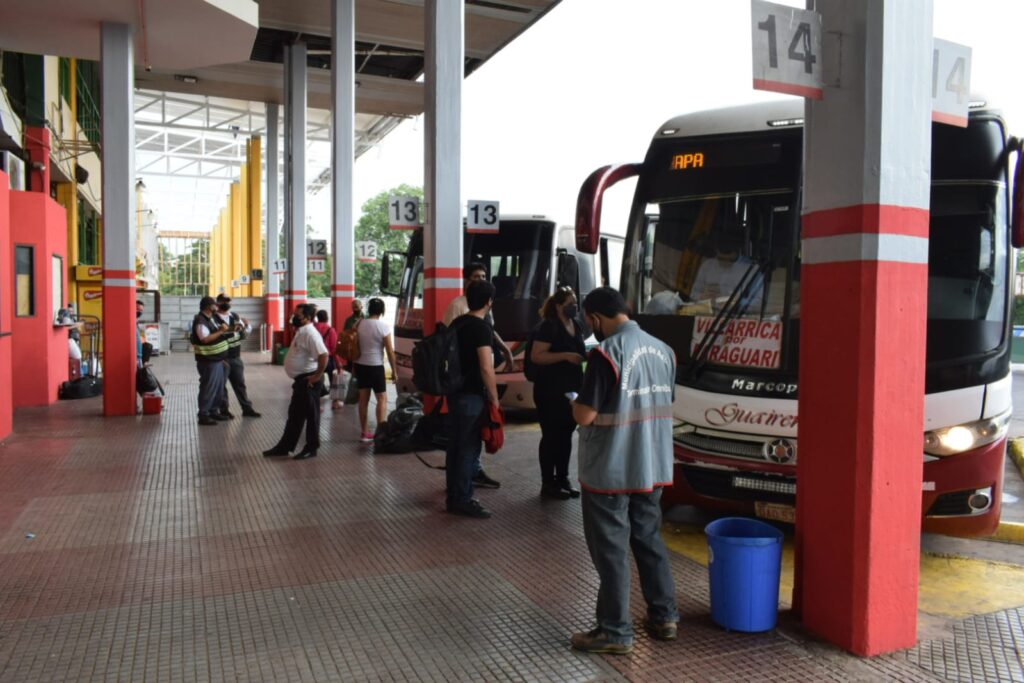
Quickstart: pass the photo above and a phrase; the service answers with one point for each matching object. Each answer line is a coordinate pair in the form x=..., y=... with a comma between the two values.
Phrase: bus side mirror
x=1017, y=213
x=386, y=286
x=589, y=199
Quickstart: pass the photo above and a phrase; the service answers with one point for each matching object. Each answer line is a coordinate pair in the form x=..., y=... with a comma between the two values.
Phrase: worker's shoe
x=597, y=642
x=566, y=486
x=553, y=491
x=668, y=630
x=223, y=417
x=275, y=451
x=481, y=480
x=249, y=412
x=206, y=420
x=471, y=508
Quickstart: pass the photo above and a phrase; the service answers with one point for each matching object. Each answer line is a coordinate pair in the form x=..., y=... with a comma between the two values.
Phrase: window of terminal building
x=58, y=286
x=24, y=281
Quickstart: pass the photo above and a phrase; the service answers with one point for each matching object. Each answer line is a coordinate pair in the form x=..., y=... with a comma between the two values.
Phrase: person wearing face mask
x=236, y=368
x=140, y=308
x=210, y=338
x=305, y=364
x=625, y=459
x=558, y=351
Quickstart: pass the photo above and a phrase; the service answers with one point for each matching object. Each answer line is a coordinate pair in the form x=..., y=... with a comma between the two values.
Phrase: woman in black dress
x=557, y=351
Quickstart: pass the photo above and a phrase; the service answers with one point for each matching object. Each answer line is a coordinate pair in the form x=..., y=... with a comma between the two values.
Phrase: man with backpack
x=468, y=404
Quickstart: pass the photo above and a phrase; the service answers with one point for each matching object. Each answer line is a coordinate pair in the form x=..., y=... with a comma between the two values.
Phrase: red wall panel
x=6, y=309
x=39, y=350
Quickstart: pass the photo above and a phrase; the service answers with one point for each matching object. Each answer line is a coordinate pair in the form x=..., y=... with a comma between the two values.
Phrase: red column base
x=120, y=359
x=341, y=304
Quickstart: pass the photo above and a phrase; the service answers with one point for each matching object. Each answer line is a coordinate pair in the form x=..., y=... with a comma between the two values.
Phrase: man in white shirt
x=719, y=277
x=305, y=364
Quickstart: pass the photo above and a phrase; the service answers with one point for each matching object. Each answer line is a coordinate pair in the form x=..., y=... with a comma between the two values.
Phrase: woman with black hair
x=558, y=348
x=374, y=340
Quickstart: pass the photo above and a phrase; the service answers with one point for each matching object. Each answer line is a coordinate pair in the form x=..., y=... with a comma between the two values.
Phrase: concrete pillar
x=273, y=300
x=863, y=319
x=295, y=174
x=119, y=330
x=343, y=131
x=442, y=228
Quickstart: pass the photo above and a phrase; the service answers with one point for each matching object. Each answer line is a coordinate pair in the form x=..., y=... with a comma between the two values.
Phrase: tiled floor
x=138, y=549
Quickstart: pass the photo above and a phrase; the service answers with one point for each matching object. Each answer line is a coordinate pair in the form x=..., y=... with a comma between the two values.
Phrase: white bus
x=526, y=260
x=735, y=218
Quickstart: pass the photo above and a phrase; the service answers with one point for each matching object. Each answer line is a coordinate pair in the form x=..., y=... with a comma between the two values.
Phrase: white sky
x=592, y=81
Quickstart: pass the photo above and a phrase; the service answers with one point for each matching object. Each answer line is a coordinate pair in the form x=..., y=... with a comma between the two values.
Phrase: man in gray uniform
x=625, y=458
x=236, y=368
x=210, y=338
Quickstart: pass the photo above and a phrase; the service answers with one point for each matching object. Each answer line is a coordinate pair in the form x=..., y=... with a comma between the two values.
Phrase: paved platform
x=147, y=548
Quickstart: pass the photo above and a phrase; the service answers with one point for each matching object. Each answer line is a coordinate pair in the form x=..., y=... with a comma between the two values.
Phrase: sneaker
x=666, y=631
x=567, y=487
x=223, y=417
x=471, y=508
x=483, y=481
x=597, y=642
x=366, y=437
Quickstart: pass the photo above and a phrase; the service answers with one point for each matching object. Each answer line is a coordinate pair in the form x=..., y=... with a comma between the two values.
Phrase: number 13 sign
x=787, y=49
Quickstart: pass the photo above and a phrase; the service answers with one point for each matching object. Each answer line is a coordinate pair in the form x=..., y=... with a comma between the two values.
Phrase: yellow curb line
x=1009, y=532
x=1016, y=452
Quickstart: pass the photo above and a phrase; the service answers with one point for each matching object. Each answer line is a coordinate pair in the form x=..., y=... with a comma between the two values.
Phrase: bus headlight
x=965, y=437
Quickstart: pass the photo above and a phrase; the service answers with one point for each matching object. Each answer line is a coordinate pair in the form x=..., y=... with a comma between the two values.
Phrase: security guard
x=210, y=340
x=236, y=368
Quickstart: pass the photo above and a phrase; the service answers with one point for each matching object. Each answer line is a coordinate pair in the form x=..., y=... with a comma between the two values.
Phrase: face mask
x=138, y=314
x=571, y=311
x=296, y=321
x=225, y=308
x=598, y=334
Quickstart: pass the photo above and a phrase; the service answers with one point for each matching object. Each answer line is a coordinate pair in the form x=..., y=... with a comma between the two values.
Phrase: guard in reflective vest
x=624, y=410
x=236, y=368
x=210, y=340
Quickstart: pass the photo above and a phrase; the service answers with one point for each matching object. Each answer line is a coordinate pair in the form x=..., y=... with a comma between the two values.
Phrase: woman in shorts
x=374, y=339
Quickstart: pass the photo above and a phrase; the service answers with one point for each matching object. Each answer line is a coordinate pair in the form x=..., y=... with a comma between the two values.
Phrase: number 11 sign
x=787, y=49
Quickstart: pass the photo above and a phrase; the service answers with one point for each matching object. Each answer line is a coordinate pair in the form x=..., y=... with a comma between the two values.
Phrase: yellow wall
x=236, y=241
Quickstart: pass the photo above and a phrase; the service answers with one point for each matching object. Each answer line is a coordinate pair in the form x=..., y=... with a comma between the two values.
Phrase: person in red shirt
x=330, y=337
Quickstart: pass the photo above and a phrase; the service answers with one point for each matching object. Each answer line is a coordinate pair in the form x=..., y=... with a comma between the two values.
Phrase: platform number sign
x=787, y=49
x=317, y=265
x=243, y=279
x=279, y=267
x=366, y=252
x=316, y=249
x=951, y=82
x=482, y=216
x=403, y=212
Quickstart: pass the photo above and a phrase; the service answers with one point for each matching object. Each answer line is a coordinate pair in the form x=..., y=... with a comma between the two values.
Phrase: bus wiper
x=733, y=306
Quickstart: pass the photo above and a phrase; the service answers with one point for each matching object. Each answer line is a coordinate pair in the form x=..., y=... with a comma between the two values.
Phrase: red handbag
x=493, y=431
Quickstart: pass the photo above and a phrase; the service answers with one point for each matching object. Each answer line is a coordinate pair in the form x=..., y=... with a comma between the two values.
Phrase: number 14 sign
x=787, y=49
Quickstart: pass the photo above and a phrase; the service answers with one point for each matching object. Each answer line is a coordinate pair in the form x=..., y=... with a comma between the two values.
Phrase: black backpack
x=436, y=368
x=83, y=387
x=529, y=367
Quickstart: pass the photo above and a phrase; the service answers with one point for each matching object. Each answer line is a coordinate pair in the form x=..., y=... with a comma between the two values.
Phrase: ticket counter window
x=24, y=281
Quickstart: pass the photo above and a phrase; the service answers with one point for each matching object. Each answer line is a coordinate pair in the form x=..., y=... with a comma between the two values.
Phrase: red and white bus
x=718, y=250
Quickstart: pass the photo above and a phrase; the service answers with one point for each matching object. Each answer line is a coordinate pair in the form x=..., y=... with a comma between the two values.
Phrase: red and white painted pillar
x=119, y=328
x=343, y=155
x=442, y=227
x=295, y=180
x=863, y=308
x=272, y=296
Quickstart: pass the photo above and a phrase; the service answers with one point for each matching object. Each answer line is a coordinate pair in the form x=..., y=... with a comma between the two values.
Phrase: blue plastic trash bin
x=744, y=563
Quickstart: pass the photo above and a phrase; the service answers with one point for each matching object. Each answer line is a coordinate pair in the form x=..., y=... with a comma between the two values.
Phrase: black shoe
x=223, y=417
x=483, y=481
x=564, y=485
x=206, y=420
x=250, y=413
x=471, y=508
x=275, y=451
x=553, y=492
x=305, y=454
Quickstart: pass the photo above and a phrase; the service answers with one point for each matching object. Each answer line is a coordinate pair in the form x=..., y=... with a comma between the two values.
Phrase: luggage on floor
x=83, y=387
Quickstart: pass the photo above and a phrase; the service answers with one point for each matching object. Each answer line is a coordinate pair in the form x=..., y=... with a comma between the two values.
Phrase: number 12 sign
x=787, y=49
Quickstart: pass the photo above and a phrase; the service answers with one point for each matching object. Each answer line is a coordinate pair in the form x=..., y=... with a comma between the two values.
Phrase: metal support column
x=442, y=228
x=343, y=132
x=863, y=309
x=295, y=170
x=119, y=329
x=273, y=301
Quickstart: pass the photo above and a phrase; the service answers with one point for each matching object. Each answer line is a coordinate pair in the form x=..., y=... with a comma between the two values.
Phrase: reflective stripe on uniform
x=633, y=416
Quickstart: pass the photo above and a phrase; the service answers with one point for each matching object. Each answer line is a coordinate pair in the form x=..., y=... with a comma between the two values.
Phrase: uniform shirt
x=307, y=347
x=372, y=332
x=472, y=333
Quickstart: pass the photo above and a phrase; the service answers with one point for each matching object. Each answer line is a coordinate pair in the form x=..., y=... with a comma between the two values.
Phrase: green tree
x=373, y=227
x=319, y=284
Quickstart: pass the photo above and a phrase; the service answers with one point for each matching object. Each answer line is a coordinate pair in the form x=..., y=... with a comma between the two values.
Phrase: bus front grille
x=715, y=483
x=716, y=445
